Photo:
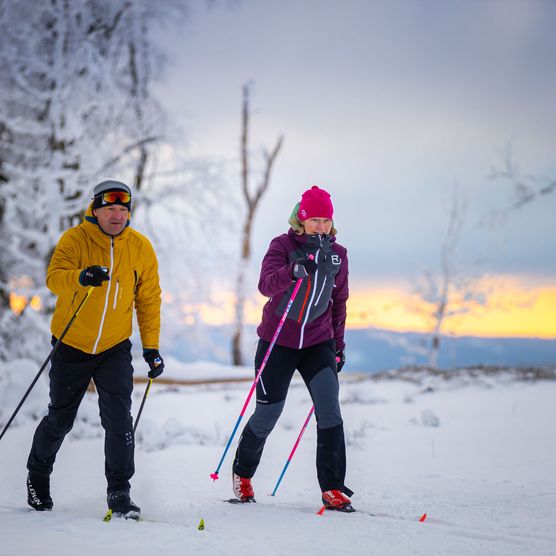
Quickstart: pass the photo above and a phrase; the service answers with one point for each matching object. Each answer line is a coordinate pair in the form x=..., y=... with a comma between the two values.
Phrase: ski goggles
x=116, y=196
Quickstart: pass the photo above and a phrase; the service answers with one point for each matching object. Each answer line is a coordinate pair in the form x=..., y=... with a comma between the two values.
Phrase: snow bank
x=15, y=379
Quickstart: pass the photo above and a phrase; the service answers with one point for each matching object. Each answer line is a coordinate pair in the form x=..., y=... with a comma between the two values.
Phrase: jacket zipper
x=107, y=295
x=310, y=303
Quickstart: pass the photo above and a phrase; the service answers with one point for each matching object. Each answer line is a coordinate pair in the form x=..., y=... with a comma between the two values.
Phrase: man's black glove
x=303, y=267
x=340, y=359
x=155, y=361
x=93, y=276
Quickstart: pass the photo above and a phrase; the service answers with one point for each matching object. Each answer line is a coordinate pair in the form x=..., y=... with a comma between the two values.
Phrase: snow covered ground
x=477, y=456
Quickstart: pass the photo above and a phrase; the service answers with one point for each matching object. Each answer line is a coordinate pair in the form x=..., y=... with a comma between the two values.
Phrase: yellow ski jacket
x=106, y=318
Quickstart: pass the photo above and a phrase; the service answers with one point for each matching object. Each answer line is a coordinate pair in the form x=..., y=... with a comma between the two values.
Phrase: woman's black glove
x=303, y=267
x=340, y=359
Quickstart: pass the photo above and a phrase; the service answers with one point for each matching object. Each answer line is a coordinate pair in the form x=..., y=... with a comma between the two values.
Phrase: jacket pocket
x=71, y=308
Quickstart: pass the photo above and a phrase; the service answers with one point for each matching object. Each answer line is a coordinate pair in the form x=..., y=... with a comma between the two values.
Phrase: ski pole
x=294, y=449
x=214, y=475
x=142, y=404
x=56, y=345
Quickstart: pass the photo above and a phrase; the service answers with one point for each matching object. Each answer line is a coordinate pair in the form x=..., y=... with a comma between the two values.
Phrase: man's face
x=112, y=219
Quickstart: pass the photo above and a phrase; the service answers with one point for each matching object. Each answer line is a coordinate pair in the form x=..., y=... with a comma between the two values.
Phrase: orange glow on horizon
x=512, y=310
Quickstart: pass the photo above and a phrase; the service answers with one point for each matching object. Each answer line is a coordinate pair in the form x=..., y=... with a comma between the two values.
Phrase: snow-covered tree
x=75, y=107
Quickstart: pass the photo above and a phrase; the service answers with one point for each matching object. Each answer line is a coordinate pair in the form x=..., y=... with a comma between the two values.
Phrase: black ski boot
x=121, y=505
x=38, y=492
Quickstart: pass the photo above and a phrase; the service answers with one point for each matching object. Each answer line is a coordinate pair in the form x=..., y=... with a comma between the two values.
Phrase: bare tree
x=449, y=292
x=526, y=188
x=252, y=201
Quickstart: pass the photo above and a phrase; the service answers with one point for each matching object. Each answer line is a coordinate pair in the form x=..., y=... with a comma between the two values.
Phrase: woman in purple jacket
x=311, y=341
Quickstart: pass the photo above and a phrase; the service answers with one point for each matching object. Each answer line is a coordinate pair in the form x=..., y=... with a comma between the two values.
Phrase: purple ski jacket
x=318, y=312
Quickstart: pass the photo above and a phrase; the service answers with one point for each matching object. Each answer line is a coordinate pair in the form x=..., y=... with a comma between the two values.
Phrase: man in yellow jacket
x=103, y=253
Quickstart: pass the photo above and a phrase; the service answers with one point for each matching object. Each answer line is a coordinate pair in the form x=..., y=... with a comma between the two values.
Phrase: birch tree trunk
x=252, y=202
x=450, y=291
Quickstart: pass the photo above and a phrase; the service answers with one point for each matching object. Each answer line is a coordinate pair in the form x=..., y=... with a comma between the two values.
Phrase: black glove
x=155, y=361
x=94, y=276
x=303, y=267
x=340, y=360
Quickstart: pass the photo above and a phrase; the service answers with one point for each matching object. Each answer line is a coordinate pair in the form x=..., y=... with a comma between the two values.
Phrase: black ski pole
x=46, y=362
x=142, y=404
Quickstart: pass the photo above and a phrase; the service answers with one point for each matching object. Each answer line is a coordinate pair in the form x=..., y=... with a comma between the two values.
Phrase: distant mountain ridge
x=373, y=350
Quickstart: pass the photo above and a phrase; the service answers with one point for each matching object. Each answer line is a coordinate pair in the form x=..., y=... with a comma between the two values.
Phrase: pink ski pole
x=294, y=449
x=214, y=475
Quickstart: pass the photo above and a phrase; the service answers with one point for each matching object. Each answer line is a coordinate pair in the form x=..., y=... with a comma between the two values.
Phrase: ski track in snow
x=479, y=460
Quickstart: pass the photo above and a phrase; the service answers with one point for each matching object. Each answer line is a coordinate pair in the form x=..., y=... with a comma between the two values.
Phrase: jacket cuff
x=289, y=271
x=77, y=277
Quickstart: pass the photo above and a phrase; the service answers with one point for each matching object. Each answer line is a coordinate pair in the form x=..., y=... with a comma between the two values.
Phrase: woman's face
x=317, y=226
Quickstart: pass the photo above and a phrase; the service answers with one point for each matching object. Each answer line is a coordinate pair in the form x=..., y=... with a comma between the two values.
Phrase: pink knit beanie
x=315, y=203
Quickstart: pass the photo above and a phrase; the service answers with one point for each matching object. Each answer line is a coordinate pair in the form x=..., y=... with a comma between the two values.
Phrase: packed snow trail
x=477, y=459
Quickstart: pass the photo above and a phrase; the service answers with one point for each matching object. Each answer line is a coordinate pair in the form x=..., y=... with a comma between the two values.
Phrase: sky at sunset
x=513, y=310
x=389, y=106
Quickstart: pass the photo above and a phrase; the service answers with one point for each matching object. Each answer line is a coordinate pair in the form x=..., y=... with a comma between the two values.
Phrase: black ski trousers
x=70, y=373
x=317, y=366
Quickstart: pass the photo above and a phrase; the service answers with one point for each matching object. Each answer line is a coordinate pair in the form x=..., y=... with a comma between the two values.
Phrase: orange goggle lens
x=115, y=196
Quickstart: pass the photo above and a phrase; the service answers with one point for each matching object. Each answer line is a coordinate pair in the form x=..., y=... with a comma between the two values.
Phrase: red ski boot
x=337, y=500
x=243, y=489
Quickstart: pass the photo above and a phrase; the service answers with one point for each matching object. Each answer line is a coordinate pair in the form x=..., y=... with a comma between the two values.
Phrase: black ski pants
x=317, y=366
x=70, y=373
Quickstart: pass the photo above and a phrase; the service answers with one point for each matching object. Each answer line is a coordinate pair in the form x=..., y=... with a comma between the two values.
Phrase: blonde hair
x=297, y=225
